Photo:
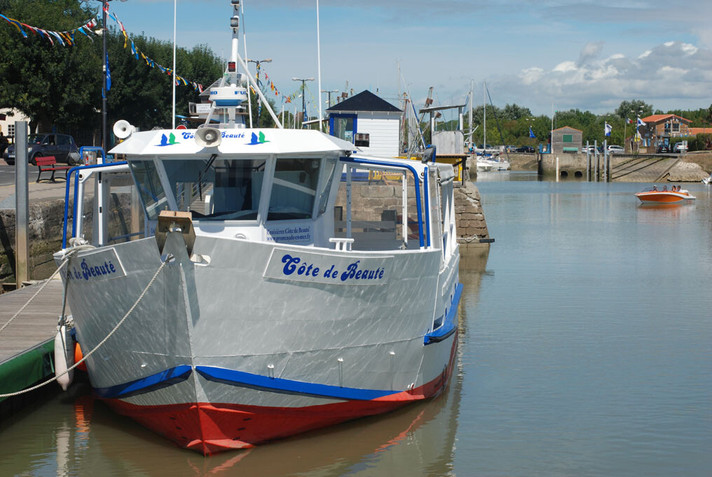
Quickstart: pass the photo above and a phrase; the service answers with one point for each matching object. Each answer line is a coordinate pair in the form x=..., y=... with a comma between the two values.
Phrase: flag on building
x=531, y=133
x=607, y=129
x=640, y=122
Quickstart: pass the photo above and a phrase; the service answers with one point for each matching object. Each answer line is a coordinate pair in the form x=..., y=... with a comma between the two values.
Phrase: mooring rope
x=101, y=343
x=66, y=260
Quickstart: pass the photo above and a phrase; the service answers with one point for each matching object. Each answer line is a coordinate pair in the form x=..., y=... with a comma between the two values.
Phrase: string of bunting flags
x=140, y=55
x=67, y=38
x=64, y=38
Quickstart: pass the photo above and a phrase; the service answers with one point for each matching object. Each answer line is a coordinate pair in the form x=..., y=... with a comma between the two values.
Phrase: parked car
x=680, y=147
x=61, y=146
x=663, y=148
x=589, y=149
x=613, y=149
x=528, y=149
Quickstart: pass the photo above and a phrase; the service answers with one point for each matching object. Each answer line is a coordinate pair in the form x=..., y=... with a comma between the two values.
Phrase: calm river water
x=586, y=350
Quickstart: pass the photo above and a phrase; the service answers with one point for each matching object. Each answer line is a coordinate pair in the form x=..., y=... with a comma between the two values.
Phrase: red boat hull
x=210, y=428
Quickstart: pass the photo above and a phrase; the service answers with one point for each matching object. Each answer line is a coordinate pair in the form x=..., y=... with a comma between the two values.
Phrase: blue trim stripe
x=240, y=378
x=450, y=325
x=163, y=379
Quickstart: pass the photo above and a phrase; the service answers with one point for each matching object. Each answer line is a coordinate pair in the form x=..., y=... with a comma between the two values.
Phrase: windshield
x=217, y=189
x=36, y=139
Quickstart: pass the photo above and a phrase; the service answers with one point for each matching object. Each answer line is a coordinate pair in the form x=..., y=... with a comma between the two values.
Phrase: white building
x=368, y=121
x=8, y=116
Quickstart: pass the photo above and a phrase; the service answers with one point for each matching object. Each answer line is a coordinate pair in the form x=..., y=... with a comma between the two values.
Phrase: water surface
x=586, y=350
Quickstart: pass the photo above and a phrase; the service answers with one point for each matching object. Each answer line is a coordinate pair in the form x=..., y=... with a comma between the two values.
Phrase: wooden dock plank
x=36, y=324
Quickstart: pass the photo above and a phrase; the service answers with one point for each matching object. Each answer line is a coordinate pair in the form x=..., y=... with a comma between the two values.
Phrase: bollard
x=22, y=210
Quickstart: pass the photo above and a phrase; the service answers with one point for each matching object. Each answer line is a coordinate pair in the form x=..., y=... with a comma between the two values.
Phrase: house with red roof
x=660, y=128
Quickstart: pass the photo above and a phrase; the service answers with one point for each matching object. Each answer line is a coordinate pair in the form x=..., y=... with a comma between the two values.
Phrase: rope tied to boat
x=42, y=287
x=168, y=259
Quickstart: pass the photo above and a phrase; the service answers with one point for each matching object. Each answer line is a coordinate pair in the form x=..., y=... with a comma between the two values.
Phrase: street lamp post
x=259, y=83
x=304, y=104
x=104, y=31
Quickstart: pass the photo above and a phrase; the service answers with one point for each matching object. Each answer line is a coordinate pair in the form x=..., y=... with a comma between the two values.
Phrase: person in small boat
x=655, y=188
x=674, y=189
x=664, y=188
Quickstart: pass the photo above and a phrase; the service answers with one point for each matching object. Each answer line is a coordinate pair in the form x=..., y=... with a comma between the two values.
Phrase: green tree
x=633, y=109
x=53, y=85
x=60, y=87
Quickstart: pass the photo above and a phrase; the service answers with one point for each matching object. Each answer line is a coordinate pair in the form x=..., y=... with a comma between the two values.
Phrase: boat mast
x=484, y=117
x=232, y=89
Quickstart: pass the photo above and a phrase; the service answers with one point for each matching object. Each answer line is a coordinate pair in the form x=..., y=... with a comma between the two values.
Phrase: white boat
x=487, y=163
x=275, y=292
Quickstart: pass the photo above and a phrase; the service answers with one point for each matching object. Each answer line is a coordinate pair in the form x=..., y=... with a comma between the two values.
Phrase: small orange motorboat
x=655, y=196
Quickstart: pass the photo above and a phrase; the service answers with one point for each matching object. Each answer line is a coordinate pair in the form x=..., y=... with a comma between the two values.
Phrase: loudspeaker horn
x=208, y=137
x=123, y=129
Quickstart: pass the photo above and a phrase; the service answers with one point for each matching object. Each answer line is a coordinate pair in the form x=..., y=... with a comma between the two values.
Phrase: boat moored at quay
x=260, y=303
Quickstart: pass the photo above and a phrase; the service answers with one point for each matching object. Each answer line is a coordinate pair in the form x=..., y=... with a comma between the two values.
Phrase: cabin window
x=325, y=189
x=294, y=189
x=149, y=186
x=217, y=189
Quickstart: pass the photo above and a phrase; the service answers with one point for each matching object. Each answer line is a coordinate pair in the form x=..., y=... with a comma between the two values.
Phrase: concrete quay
x=626, y=168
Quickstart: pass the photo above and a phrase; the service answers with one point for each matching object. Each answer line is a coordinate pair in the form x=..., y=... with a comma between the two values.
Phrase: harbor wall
x=45, y=231
x=623, y=168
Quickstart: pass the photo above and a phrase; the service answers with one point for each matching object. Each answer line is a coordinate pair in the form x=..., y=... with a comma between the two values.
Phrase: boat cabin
x=293, y=187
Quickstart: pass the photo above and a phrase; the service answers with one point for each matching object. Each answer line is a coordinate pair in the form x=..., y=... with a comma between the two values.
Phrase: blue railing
x=419, y=207
x=75, y=171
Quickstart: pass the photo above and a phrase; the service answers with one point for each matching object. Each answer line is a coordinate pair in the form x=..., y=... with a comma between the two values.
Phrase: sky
x=547, y=55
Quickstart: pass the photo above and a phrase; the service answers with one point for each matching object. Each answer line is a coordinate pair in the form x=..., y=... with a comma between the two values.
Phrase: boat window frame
x=422, y=203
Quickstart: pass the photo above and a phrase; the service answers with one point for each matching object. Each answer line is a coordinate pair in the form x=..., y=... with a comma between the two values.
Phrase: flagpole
x=173, y=122
x=105, y=31
x=318, y=63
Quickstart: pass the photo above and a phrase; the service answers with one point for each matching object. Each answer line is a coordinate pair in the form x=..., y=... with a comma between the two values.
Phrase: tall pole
x=318, y=63
x=104, y=88
x=304, y=104
x=259, y=84
x=173, y=122
x=105, y=31
x=244, y=49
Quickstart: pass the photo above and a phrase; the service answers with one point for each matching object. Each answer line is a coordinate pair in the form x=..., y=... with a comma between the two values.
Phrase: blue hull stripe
x=178, y=374
x=450, y=325
x=239, y=378
x=160, y=380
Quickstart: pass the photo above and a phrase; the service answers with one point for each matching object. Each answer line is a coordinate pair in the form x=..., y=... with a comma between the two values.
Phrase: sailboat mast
x=484, y=116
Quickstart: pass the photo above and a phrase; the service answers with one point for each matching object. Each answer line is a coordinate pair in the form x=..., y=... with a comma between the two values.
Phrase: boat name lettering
x=224, y=135
x=294, y=264
x=96, y=267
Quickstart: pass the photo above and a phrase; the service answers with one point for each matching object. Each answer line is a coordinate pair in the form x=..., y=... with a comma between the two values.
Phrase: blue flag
x=607, y=129
x=531, y=133
x=108, y=73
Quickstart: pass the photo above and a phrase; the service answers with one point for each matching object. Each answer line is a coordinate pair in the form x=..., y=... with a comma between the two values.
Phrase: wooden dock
x=27, y=344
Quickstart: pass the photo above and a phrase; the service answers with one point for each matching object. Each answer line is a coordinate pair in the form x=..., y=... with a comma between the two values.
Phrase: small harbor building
x=566, y=139
x=371, y=123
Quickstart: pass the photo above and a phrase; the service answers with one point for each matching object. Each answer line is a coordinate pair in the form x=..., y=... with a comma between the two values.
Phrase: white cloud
x=670, y=75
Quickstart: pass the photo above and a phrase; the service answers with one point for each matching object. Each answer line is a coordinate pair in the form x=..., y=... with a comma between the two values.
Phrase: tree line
x=60, y=87
x=511, y=124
